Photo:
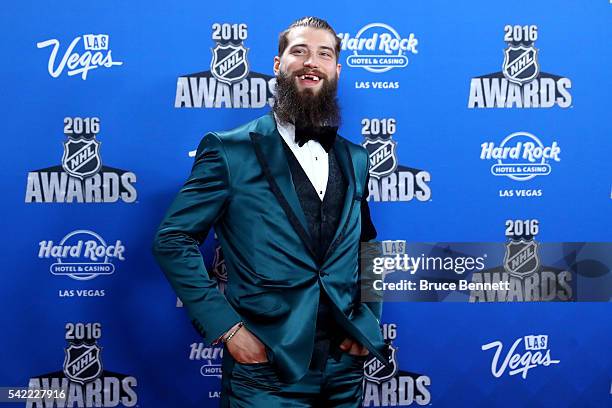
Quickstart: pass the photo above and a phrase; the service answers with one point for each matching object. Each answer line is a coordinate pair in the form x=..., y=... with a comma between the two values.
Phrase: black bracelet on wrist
x=229, y=337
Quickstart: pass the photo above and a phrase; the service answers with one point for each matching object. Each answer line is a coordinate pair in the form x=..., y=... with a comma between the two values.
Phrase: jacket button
x=323, y=273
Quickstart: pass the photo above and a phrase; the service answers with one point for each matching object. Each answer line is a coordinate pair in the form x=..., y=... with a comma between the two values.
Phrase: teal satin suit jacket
x=241, y=184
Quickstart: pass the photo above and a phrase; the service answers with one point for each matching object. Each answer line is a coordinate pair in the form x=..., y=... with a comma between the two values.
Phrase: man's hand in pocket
x=245, y=347
x=353, y=347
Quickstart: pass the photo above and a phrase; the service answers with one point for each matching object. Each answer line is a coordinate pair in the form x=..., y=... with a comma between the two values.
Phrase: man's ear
x=276, y=67
x=338, y=69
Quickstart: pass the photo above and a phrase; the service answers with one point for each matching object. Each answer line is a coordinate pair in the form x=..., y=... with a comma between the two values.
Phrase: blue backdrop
x=103, y=101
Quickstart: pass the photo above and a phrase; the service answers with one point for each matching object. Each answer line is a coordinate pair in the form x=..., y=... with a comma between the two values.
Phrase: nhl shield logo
x=82, y=363
x=81, y=157
x=521, y=258
x=382, y=156
x=521, y=64
x=229, y=63
x=377, y=372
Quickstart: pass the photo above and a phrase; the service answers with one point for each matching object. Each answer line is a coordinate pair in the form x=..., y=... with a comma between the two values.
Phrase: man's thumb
x=346, y=344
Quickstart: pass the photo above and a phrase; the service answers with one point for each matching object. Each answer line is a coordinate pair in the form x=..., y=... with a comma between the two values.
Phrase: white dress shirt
x=311, y=155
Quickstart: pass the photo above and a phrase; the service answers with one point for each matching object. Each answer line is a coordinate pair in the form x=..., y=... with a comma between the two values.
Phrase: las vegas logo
x=536, y=353
x=95, y=54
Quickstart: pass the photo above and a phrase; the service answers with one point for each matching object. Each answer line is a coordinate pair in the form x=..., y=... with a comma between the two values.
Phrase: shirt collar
x=287, y=131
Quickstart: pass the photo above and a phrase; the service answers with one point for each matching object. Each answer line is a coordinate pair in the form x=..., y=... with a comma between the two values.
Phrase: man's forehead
x=310, y=36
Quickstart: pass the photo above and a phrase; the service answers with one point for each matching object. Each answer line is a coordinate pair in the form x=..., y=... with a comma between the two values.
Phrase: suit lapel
x=273, y=161
x=346, y=166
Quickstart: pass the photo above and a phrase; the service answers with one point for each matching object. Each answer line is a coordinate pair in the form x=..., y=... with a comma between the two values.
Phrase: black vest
x=322, y=218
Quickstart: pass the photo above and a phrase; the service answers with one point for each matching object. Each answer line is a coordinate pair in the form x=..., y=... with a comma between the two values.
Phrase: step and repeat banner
x=489, y=133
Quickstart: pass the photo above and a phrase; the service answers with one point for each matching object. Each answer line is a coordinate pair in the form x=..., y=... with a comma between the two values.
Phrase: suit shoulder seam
x=225, y=158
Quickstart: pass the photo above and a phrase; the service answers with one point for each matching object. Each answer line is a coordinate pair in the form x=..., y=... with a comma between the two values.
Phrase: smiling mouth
x=309, y=79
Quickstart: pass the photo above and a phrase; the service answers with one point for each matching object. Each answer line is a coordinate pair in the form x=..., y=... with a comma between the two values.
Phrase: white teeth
x=312, y=77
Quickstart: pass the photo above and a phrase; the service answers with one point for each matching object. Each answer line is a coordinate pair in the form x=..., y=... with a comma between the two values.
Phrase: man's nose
x=311, y=61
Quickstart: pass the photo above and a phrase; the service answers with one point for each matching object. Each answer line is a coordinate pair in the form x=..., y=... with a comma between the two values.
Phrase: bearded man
x=287, y=198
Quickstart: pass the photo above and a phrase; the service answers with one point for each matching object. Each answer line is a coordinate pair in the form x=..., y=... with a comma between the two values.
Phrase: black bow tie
x=325, y=135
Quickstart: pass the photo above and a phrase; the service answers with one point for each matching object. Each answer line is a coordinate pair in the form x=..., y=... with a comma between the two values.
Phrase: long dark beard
x=306, y=108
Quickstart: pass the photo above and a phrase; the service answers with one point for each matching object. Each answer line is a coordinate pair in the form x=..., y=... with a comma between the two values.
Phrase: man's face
x=309, y=59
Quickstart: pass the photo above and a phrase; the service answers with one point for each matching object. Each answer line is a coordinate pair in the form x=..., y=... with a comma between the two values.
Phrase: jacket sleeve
x=199, y=204
x=368, y=233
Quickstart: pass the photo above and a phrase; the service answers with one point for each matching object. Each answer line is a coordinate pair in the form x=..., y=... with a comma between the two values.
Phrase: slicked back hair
x=314, y=22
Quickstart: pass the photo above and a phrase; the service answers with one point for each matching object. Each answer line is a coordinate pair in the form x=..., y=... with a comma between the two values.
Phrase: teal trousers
x=338, y=384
